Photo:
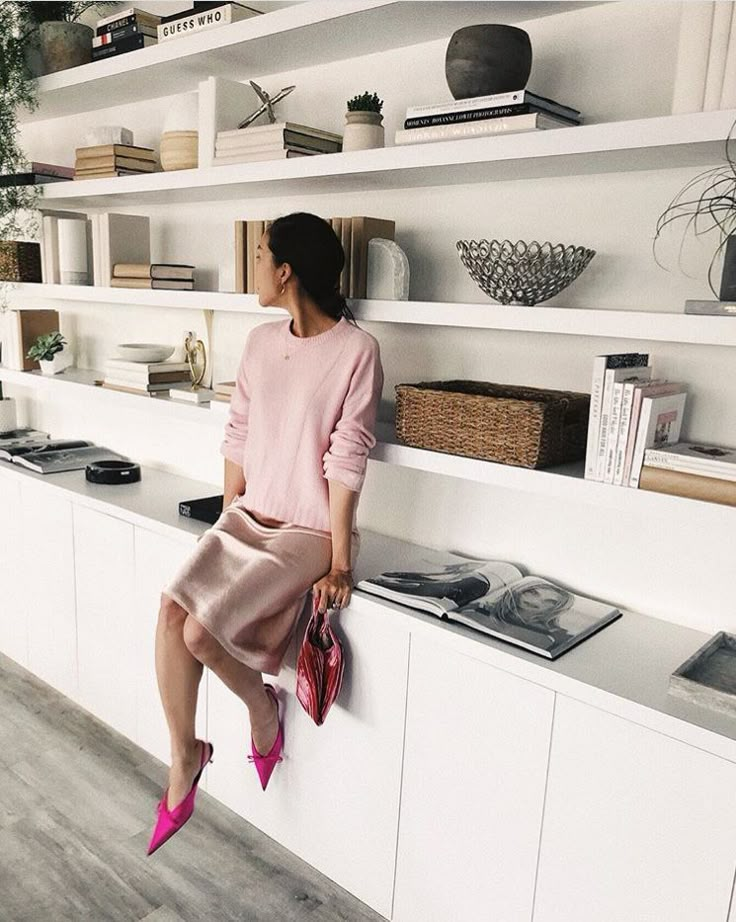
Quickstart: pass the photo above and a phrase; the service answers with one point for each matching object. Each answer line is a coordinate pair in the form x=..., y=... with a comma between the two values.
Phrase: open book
x=492, y=596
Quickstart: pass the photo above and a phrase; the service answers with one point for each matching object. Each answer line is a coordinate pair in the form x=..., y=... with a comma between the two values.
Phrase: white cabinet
x=13, y=599
x=156, y=560
x=637, y=826
x=106, y=617
x=47, y=576
x=334, y=800
x=475, y=762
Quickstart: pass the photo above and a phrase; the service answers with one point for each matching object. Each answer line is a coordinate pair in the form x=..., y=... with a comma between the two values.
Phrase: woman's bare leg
x=245, y=682
x=179, y=674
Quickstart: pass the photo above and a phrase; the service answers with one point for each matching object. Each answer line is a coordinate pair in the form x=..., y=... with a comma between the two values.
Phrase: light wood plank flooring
x=77, y=807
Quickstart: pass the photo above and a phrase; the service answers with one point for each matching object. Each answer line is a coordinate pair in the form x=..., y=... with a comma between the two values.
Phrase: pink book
x=655, y=389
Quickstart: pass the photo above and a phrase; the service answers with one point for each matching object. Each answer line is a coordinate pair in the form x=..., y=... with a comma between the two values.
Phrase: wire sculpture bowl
x=522, y=273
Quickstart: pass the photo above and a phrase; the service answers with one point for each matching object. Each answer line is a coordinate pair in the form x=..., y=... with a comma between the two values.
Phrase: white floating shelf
x=692, y=140
x=650, y=326
x=565, y=482
x=284, y=39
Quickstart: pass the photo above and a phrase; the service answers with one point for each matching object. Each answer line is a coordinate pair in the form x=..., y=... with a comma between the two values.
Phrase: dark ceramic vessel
x=486, y=59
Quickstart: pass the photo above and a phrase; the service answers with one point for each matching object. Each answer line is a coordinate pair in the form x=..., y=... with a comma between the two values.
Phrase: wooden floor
x=77, y=804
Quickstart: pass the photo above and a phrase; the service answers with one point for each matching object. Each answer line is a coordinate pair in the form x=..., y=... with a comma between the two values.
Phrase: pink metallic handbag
x=320, y=665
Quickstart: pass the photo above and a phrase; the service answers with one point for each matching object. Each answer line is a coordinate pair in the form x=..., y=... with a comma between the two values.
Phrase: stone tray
x=708, y=677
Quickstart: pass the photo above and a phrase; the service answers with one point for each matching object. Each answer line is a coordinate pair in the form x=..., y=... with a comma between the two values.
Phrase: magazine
x=65, y=459
x=494, y=597
x=25, y=446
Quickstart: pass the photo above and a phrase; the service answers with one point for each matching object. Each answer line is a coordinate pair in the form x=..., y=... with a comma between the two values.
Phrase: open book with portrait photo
x=494, y=597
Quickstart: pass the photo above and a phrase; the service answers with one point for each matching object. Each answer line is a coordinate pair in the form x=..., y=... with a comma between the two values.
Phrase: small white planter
x=8, y=414
x=53, y=366
x=363, y=130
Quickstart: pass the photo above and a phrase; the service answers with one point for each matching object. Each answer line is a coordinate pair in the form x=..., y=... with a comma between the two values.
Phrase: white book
x=479, y=102
x=613, y=376
x=720, y=29
x=694, y=458
x=204, y=21
x=625, y=426
x=616, y=421
x=262, y=155
x=660, y=423
x=696, y=23
x=728, y=87
x=533, y=121
x=278, y=129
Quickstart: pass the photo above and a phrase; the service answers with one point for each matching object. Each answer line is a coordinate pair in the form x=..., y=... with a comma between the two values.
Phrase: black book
x=474, y=115
x=132, y=43
x=202, y=8
x=29, y=179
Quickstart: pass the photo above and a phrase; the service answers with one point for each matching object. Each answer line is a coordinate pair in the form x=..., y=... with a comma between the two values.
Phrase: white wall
x=614, y=61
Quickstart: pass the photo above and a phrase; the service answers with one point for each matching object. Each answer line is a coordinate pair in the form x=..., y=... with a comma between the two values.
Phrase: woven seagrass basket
x=20, y=261
x=523, y=426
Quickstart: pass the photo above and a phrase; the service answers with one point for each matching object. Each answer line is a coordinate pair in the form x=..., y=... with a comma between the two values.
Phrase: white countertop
x=623, y=669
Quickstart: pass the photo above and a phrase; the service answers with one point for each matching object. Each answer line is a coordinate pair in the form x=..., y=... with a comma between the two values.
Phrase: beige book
x=120, y=150
x=114, y=163
x=255, y=232
x=693, y=486
x=240, y=276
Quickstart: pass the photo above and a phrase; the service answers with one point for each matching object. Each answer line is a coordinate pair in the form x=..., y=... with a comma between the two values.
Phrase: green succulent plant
x=366, y=102
x=46, y=346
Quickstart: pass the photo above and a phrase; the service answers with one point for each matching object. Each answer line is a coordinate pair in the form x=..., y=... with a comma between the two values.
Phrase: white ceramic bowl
x=144, y=352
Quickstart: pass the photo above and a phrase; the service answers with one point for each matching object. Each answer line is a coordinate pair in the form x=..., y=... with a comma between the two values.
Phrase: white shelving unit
x=692, y=140
x=300, y=34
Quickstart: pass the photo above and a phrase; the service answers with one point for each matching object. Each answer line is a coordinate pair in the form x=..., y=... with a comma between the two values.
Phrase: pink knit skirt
x=248, y=583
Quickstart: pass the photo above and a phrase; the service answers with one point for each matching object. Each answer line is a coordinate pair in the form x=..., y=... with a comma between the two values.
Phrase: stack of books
x=34, y=173
x=151, y=378
x=201, y=17
x=501, y=113
x=274, y=142
x=124, y=31
x=105, y=160
x=630, y=411
x=354, y=234
x=173, y=276
x=706, y=472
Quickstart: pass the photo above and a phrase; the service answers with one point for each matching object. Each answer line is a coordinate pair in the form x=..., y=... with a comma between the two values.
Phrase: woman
x=300, y=427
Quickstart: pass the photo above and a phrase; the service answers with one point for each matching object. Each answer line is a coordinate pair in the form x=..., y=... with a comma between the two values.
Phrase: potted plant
x=706, y=203
x=363, y=123
x=54, y=38
x=47, y=351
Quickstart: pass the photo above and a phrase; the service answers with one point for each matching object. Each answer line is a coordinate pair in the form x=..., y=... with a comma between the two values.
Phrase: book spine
x=615, y=426
x=117, y=35
x=128, y=13
x=472, y=115
x=530, y=122
x=594, y=419
x=473, y=102
x=657, y=458
x=623, y=433
x=692, y=486
x=122, y=47
x=200, y=22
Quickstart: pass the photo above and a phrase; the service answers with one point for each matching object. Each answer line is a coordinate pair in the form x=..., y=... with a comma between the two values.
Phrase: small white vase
x=8, y=414
x=53, y=366
x=363, y=131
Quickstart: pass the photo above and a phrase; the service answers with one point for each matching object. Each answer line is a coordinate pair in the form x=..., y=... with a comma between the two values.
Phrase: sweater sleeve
x=236, y=427
x=353, y=436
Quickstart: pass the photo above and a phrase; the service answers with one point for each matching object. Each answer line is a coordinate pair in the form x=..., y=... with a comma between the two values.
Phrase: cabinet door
x=106, y=617
x=475, y=761
x=156, y=561
x=48, y=587
x=334, y=800
x=636, y=825
x=13, y=600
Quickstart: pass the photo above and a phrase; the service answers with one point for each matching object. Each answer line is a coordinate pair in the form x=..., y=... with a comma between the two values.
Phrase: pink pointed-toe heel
x=266, y=764
x=170, y=822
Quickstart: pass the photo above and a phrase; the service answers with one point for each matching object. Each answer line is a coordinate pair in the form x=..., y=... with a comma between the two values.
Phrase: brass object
x=195, y=348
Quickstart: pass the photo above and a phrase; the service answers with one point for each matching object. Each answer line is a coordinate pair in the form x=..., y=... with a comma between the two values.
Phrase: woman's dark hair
x=313, y=250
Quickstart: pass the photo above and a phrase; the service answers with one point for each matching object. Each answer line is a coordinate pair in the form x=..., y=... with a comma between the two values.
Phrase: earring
x=282, y=289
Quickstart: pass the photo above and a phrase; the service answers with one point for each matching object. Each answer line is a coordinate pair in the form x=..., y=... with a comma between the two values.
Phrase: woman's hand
x=333, y=590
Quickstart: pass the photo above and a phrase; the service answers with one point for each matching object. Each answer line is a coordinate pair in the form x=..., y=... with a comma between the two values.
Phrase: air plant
x=706, y=202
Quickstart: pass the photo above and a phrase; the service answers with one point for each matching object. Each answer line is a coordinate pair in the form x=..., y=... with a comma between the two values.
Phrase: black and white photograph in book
x=494, y=597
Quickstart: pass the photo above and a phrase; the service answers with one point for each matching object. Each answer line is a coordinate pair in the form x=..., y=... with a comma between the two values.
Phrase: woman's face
x=269, y=276
x=534, y=601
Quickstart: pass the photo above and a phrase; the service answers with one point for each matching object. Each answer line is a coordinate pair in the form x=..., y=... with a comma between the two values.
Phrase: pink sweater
x=296, y=423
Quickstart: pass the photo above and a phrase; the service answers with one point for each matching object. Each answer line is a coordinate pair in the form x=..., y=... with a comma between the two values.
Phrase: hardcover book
x=694, y=458
x=660, y=422
x=493, y=597
x=65, y=459
x=534, y=121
